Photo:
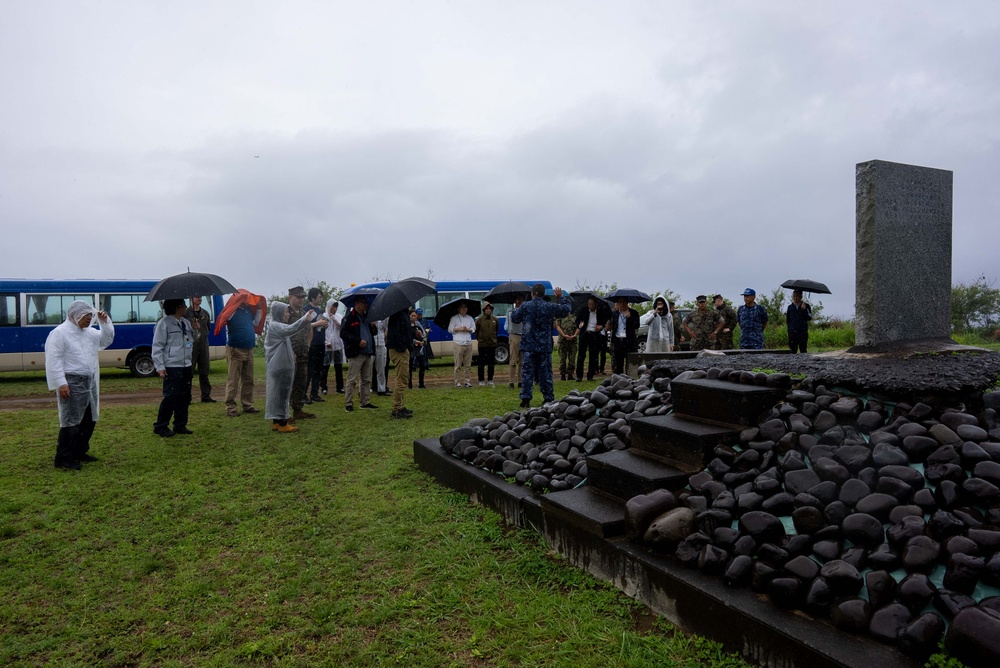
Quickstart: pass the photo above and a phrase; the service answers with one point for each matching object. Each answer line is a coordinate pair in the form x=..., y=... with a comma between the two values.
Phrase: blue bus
x=30, y=309
x=440, y=339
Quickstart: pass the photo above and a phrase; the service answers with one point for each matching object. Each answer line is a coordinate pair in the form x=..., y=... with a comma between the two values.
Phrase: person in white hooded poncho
x=72, y=369
x=280, y=362
x=660, y=336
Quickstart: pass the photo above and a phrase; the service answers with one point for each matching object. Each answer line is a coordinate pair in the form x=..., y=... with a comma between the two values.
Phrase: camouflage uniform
x=724, y=340
x=702, y=323
x=567, y=348
x=536, y=343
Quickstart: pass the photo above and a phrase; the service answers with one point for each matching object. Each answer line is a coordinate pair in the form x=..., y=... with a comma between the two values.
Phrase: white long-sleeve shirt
x=461, y=338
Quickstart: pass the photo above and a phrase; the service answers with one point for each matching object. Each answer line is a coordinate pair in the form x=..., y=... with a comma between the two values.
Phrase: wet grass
x=238, y=546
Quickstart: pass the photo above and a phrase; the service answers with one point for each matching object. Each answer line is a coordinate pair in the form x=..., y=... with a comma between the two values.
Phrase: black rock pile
x=882, y=517
x=547, y=447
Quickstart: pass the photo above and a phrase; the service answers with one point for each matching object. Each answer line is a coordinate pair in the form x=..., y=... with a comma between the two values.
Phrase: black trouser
x=797, y=341
x=619, y=351
x=300, y=383
x=75, y=441
x=590, y=344
x=487, y=358
x=199, y=365
x=176, y=397
x=315, y=369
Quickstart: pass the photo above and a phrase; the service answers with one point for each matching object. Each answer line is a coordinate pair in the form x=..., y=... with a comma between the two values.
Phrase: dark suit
x=622, y=346
x=590, y=343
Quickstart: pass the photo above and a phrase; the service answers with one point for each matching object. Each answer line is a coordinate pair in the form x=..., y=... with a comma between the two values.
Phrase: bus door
x=10, y=332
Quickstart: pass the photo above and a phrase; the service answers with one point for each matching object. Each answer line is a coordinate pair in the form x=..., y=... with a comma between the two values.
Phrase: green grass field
x=239, y=546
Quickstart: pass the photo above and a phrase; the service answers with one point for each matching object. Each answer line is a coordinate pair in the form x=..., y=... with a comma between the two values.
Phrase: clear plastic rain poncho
x=71, y=359
x=660, y=336
x=280, y=360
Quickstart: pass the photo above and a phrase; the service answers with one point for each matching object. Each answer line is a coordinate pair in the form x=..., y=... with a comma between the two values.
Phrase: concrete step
x=680, y=442
x=722, y=402
x=587, y=510
x=627, y=473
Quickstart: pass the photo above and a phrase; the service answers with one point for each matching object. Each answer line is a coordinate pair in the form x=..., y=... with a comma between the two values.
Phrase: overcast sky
x=694, y=146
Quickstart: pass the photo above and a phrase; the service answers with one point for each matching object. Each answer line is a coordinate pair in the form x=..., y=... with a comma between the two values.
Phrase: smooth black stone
x=854, y=457
x=885, y=558
x=950, y=603
x=918, y=448
x=835, y=513
x=886, y=454
x=853, y=491
x=792, y=461
x=948, y=495
x=806, y=499
x=819, y=597
x=818, y=452
x=943, y=524
x=971, y=517
x=883, y=437
x=877, y=505
x=780, y=504
x=749, y=501
x=641, y=510
x=712, y=560
x=800, y=481
x=785, y=592
x=939, y=472
x=920, y=554
x=988, y=471
x=915, y=591
x=696, y=481
x=715, y=490
x=846, y=407
x=830, y=470
x=952, y=419
x=896, y=488
x=799, y=424
x=670, y=528
x=696, y=502
x=980, y=492
x=912, y=477
x=924, y=499
x=974, y=637
x=807, y=519
x=962, y=573
x=761, y=575
x=944, y=435
x=843, y=578
x=987, y=538
x=724, y=501
x=766, y=486
x=919, y=639
x=887, y=622
x=738, y=571
x=746, y=460
x=745, y=545
x=869, y=476
x=764, y=527
x=946, y=454
x=772, y=555
x=855, y=556
x=881, y=588
x=900, y=533
x=960, y=545
x=708, y=521
x=899, y=512
x=803, y=568
x=833, y=437
x=863, y=529
x=824, y=421
x=851, y=614
x=798, y=545
x=689, y=550
x=971, y=432
x=971, y=453
x=869, y=421
x=772, y=430
x=826, y=550
x=825, y=491
x=991, y=572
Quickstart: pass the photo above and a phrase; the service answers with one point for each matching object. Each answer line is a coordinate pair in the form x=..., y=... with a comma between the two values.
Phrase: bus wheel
x=503, y=353
x=141, y=365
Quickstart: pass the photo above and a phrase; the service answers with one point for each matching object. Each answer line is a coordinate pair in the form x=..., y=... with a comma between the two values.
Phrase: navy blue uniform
x=537, y=317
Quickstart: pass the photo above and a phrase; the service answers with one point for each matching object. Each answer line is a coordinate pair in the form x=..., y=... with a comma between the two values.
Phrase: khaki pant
x=400, y=361
x=359, y=379
x=240, y=378
x=463, y=363
x=514, y=342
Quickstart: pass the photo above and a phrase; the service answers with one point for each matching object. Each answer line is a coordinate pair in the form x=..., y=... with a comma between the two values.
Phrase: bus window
x=500, y=310
x=428, y=305
x=8, y=311
x=130, y=308
x=51, y=309
x=444, y=298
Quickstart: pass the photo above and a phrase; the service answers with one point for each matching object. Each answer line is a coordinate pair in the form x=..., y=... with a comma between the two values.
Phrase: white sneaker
x=458, y=385
x=482, y=383
x=490, y=383
x=468, y=384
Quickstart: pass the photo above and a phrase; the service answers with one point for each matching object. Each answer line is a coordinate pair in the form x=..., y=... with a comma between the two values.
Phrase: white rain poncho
x=280, y=360
x=333, y=327
x=660, y=336
x=71, y=359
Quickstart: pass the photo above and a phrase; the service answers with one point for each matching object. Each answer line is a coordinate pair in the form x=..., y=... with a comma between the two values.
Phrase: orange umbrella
x=243, y=297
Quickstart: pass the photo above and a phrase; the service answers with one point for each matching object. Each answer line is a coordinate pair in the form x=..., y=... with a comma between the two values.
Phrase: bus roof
x=471, y=285
x=85, y=284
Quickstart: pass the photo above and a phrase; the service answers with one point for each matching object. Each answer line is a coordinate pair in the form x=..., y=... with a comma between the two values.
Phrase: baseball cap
x=749, y=291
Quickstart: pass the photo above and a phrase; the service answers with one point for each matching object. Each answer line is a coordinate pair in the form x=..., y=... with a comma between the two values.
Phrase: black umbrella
x=806, y=285
x=399, y=296
x=506, y=292
x=348, y=299
x=449, y=309
x=633, y=296
x=580, y=301
x=189, y=284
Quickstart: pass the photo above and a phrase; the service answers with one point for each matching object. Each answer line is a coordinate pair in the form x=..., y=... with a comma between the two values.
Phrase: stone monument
x=903, y=279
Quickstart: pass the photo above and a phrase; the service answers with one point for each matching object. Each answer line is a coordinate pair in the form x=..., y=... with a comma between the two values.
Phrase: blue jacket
x=536, y=317
x=239, y=329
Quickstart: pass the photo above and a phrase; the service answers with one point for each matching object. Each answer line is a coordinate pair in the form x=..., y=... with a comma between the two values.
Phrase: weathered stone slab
x=686, y=444
x=903, y=256
x=585, y=510
x=624, y=474
x=722, y=402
